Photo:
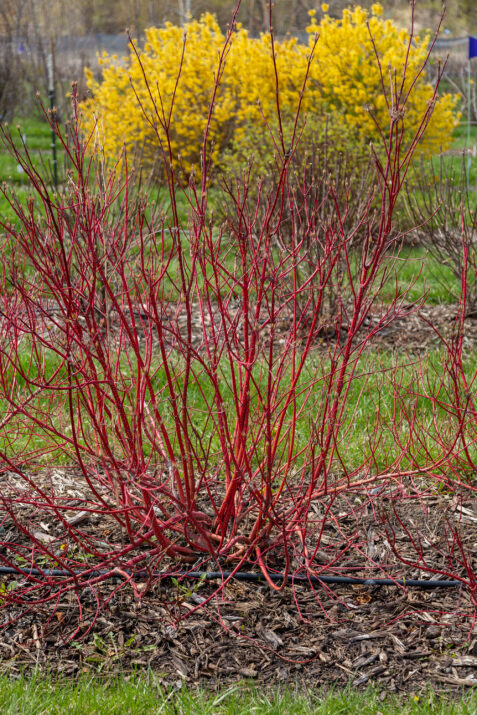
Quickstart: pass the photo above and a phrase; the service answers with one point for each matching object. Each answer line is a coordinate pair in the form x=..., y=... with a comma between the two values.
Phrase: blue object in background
x=472, y=47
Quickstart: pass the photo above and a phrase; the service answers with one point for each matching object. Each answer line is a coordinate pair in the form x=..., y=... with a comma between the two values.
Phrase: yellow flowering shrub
x=344, y=86
x=347, y=73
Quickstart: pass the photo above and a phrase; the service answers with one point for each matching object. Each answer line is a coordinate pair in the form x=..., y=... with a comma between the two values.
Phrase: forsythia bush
x=344, y=88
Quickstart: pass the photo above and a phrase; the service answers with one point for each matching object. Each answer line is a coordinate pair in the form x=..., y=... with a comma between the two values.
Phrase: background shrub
x=344, y=85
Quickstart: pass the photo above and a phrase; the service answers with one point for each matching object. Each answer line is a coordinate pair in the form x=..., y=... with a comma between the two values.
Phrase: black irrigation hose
x=248, y=576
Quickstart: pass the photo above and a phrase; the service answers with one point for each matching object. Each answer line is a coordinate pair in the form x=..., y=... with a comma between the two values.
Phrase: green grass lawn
x=423, y=275
x=372, y=394
x=461, y=137
x=37, y=137
x=38, y=695
x=458, y=149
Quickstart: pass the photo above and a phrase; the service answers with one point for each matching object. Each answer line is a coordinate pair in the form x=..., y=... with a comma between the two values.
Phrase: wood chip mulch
x=404, y=640
x=356, y=635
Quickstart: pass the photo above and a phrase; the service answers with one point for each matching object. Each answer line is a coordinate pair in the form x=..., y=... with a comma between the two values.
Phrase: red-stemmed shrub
x=188, y=371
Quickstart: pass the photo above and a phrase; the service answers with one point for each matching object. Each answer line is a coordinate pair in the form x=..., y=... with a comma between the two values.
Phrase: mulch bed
x=414, y=332
x=402, y=639
x=362, y=635
x=417, y=331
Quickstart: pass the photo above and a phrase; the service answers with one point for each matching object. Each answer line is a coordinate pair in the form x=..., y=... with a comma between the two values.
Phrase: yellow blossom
x=343, y=93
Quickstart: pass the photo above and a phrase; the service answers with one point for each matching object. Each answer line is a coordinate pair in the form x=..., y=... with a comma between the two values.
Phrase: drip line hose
x=245, y=576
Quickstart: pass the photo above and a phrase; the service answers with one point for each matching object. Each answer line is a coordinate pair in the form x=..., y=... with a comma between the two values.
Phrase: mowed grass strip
x=40, y=695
